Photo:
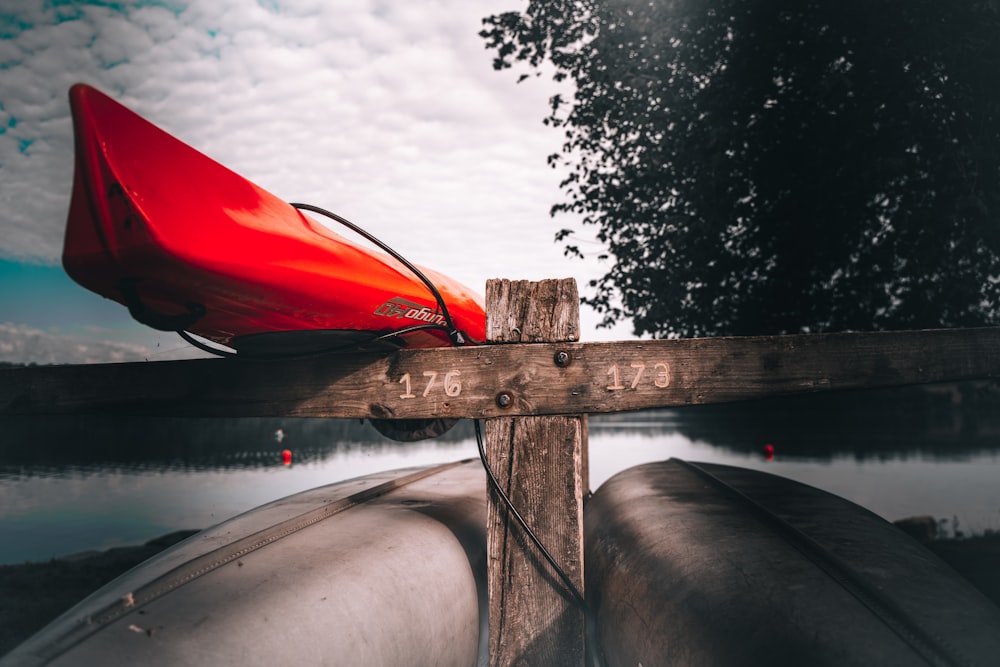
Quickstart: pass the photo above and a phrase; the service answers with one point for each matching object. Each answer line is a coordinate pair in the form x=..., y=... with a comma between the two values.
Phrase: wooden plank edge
x=510, y=379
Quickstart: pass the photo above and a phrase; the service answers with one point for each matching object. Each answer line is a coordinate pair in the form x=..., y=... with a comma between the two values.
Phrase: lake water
x=72, y=484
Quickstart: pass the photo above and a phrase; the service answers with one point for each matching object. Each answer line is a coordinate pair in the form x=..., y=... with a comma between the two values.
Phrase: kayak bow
x=187, y=244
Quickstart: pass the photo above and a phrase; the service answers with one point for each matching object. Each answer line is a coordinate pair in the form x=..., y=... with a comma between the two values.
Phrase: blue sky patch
x=270, y=5
x=67, y=13
x=12, y=25
x=113, y=6
x=43, y=296
x=60, y=6
x=175, y=8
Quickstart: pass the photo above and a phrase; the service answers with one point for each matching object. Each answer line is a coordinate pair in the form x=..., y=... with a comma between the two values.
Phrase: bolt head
x=562, y=359
x=503, y=399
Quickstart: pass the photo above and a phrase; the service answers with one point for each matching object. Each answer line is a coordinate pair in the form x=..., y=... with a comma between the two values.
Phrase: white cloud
x=386, y=112
x=366, y=97
x=25, y=344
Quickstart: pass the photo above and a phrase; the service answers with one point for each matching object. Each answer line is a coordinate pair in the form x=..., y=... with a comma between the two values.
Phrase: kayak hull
x=715, y=565
x=186, y=243
x=387, y=569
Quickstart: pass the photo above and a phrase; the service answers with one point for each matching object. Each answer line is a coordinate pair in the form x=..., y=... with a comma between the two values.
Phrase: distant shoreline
x=33, y=594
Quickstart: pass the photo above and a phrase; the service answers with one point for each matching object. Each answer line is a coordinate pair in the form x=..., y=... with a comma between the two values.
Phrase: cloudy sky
x=388, y=113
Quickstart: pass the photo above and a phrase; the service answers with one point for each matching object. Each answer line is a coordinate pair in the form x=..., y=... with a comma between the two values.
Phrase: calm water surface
x=74, y=484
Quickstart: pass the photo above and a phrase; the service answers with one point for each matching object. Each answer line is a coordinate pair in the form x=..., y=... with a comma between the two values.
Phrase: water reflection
x=67, y=445
x=945, y=422
x=70, y=484
x=56, y=500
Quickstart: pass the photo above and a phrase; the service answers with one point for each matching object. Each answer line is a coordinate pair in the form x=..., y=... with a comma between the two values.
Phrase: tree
x=775, y=166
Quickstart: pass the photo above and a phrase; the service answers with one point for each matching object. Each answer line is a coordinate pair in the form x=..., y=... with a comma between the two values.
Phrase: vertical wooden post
x=540, y=462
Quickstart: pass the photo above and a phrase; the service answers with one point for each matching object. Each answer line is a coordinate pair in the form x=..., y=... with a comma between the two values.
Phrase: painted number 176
x=451, y=384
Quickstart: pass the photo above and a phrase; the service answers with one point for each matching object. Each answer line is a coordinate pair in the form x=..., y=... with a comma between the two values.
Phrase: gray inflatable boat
x=387, y=569
x=701, y=564
x=686, y=564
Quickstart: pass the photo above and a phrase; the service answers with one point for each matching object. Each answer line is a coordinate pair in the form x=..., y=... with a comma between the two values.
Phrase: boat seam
x=183, y=574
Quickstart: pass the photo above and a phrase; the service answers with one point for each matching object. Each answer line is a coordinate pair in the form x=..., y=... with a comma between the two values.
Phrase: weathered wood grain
x=538, y=461
x=465, y=382
x=521, y=311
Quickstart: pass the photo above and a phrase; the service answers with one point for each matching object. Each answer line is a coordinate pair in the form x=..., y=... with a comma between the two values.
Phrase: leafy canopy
x=774, y=166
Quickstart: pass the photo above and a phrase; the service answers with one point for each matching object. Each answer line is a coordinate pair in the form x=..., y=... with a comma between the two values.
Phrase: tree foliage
x=773, y=166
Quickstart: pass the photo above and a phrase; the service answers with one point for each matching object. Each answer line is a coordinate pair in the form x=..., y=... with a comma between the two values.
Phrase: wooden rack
x=534, y=384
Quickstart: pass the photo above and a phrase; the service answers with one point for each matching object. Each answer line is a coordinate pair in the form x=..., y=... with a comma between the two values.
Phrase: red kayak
x=189, y=245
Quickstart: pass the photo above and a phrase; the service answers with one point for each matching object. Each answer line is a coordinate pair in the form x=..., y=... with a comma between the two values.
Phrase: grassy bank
x=32, y=594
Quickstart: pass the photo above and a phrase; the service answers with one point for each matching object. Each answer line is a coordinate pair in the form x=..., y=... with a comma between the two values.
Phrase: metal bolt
x=562, y=359
x=503, y=399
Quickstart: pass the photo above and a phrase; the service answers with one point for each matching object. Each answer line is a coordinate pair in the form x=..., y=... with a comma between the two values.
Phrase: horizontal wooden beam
x=508, y=379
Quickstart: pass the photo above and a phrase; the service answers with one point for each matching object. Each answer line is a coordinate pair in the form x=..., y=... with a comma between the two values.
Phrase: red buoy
x=286, y=457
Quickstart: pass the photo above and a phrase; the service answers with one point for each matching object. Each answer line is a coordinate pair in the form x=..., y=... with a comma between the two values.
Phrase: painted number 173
x=638, y=372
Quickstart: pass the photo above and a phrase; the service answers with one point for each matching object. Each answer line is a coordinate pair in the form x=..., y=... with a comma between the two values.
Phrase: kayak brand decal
x=401, y=308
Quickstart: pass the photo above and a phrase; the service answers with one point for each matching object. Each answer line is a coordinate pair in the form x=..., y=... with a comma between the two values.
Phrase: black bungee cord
x=457, y=339
x=291, y=356
x=450, y=329
x=454, y=334
x=574, y=592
